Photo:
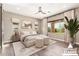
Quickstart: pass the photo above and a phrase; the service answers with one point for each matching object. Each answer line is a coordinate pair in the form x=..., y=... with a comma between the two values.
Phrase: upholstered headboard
x=28, y=32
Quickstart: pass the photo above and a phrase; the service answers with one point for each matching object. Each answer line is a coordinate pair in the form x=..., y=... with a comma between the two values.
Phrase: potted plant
x=73, y=27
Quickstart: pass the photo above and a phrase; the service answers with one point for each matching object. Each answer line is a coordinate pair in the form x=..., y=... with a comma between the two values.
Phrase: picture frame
x=15, y=21
x=26, y=25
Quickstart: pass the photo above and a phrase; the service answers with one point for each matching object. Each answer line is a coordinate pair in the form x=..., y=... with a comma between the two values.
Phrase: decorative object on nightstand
x=16, y=36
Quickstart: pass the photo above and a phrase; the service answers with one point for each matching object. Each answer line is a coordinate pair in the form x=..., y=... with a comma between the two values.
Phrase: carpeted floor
x=23, y=51
x=55, y=48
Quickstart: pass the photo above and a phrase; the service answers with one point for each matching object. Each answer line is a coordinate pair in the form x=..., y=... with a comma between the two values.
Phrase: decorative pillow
x=33, y=32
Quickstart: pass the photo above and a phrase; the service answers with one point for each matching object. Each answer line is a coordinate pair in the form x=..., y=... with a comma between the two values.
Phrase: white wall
x=60, y=16
x=44, y=26
x=0, y=24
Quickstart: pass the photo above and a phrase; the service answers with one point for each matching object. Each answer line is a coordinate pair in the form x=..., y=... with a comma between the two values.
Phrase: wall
x=40, y=27
x=0, y=24
x=59, y=16
x=77, y=14
x=44, y=26
x=7, y=24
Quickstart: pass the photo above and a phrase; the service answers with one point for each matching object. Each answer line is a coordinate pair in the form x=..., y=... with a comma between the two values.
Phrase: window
x=49, y=27
x=56, y=26
x=59, y=27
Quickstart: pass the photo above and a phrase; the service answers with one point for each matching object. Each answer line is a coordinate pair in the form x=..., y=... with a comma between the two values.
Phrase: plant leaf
x=66, y=19
x=65, y=26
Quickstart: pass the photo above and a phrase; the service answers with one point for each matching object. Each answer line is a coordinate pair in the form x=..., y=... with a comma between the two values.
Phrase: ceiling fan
x=41, y=11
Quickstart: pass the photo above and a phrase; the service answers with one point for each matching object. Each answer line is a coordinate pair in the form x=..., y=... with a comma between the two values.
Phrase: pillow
x=25, y=33
x=33, y=32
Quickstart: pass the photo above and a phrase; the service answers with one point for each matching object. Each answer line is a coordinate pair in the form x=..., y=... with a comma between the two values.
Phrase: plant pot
x=72, y=42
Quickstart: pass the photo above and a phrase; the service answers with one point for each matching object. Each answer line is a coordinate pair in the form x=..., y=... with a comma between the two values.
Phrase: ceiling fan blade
x=40, y=11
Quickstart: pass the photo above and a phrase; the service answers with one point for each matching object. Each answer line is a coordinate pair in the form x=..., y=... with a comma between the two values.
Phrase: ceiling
x=29, y=9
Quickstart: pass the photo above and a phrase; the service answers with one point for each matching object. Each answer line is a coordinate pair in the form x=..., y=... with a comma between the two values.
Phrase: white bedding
x=31, y=37
x=28, y=38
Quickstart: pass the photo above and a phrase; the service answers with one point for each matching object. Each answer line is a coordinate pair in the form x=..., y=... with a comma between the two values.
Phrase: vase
x=72, y=41
x=70, y=45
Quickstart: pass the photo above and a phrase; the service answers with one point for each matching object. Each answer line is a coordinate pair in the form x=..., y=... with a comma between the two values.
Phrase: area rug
x=20, y=49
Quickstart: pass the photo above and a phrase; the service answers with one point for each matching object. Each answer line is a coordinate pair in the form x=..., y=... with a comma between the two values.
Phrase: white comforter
x=32, y=37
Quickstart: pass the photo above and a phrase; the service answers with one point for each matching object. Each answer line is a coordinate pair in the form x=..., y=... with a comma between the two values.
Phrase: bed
x=28, y=38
